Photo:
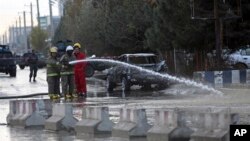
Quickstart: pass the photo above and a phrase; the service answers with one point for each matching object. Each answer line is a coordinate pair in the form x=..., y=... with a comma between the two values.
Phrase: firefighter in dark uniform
x=67, y=73
x=53, y=74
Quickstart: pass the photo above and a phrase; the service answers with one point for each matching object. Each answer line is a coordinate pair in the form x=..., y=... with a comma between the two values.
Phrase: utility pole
x=16, y=30
x=31, y=14
x=51, y=20
x=6, y=39
x=25, y=31
x=13, y=34
x=20, y=27
x=38, y=14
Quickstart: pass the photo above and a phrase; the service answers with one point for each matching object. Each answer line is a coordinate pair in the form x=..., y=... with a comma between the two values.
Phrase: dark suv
x=127, y=76
x=24, y=60
x=7, y=61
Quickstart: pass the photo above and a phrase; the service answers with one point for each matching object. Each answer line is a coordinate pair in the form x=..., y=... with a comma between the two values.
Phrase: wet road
x=177, y=96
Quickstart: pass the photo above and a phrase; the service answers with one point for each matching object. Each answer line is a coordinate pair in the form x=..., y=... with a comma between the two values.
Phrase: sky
x=10, y=10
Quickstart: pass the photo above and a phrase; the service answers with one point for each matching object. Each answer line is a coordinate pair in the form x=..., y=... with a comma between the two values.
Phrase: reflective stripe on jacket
x=53, y=68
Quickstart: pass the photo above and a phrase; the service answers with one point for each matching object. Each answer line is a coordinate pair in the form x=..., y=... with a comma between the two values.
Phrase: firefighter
x=53, y=74
x=79, y=71
x=67, y=73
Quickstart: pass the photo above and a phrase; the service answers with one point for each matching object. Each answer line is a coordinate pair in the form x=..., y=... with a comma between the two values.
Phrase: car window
x=243, y=52
x=152, y=59
x=248, y=51
x=138, y=60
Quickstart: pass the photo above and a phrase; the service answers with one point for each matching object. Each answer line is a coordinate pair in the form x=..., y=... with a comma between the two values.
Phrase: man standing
x=53, y=74
x=67, y=73
x=33, y=60
x=79, y=71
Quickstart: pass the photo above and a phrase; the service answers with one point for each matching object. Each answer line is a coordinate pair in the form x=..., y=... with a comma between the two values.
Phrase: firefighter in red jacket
x=79, y=71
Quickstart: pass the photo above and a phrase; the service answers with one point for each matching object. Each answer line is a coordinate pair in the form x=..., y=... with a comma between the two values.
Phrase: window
x=152, y=59
x=138, y=60
x=243, y=52
x=248, y=51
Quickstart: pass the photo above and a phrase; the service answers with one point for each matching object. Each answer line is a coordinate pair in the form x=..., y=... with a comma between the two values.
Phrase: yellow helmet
x=77, y=45
x=53, y=49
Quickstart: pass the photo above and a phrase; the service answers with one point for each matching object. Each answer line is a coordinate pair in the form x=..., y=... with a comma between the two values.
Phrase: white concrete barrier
x=132, y=123
x=213, y=125
x=164, y=125
x=12, y=111
x=32, y=116
x=26, y=113
x=19, y=107
x=95, y=120
x=62, y=118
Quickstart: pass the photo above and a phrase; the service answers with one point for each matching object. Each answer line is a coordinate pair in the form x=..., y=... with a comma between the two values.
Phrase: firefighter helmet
x=77, y=45
x=53, y=49
x=69, y=48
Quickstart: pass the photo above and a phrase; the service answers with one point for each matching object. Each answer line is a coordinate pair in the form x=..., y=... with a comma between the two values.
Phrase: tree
x=104, y=26
x=38, y=39
x=173, y=28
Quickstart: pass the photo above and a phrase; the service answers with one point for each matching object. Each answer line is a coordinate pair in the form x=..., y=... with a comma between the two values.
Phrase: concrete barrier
x=19, y=105
x=213, y=124
x=132, y=123
x=28, y=113
x=62, y=118
x=13, y=110
x=95, y=120
x=182, y=132
x=164, y=125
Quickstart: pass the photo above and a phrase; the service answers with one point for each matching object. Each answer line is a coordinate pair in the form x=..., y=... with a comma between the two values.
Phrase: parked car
x=240, y=59
x=23, y=62
x=128, y=76
x=7, y=61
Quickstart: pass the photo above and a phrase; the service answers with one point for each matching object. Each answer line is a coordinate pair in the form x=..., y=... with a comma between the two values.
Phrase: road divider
x=95, y=120
x=132, y=123
x=179, y=123
x=62, y=118
x=26, y=113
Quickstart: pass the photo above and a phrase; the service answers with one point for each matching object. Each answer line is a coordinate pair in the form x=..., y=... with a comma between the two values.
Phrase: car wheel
x=89, y=71
x=240, y=66
x=125, y=84
x=21, y=67
x=109, y=84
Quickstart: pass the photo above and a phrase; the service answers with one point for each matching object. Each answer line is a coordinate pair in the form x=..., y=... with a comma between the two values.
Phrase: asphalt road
x=178, y=95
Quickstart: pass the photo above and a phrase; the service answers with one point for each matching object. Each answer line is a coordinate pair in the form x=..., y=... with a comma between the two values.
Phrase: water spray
x=167, y=76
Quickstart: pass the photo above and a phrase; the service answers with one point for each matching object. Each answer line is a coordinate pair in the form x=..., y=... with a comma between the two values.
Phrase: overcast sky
x=11, y=9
